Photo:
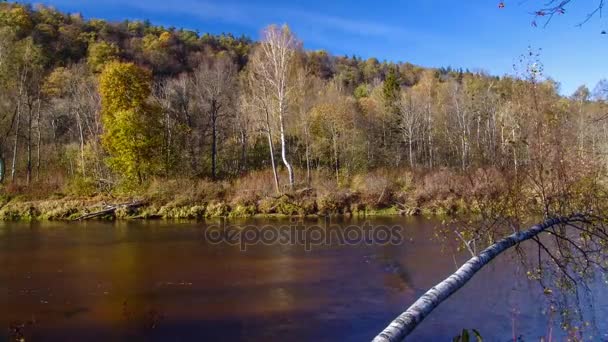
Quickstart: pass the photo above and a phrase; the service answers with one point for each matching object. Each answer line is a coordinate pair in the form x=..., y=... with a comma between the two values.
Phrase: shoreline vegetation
x=436, y=194
x=381, y=193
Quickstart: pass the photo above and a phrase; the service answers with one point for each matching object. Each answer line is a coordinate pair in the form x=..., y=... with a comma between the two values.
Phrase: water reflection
x=161, y=281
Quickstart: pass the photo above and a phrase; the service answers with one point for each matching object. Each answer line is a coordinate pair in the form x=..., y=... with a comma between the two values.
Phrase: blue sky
x=472, y=34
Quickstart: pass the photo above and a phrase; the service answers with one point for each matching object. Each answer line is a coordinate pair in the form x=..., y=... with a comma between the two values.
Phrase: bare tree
x=551, y=8
x=6, y=48
x=273, y=64
x=214, y=84
x=255, y=99
x=28, y=89
x=183, y=129
x=409, y=123
x=73, y=91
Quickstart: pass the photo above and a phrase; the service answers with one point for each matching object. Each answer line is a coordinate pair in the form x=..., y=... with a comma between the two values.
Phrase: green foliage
x=217, y=209
x=81, y=186
x=133, y=132
x=17, y=17
x=362, y=91
x=101, y=53
x=29, y=55
x=390, y=89
x=243, y=210
x=123, y=86
x=56, y=82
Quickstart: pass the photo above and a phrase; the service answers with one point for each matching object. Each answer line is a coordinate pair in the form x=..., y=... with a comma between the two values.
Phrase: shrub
x=334, y=203
x=81, y=186
x=217, y=209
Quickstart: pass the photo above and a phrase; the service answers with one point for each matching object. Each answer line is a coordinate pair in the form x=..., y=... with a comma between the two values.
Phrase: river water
x=163, y=281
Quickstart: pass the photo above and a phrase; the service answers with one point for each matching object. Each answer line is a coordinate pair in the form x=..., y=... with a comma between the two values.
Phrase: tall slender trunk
x=284, y=151
x=464, y=152
x=16, y=143
x=2, y=168
x=214, y=143
x=411, y=151
x=17, y=125
x=271, y=147
x=430, y=138
x=515, y=163
x=81, y=138
x=307, y=151
x=29, y=145
x=38, y=142
x=336, y=158
x=193, y=145
x=243, y=163
x=168, y=141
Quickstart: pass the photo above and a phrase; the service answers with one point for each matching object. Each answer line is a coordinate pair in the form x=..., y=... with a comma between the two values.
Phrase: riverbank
x=68, y=209
x=380, y=193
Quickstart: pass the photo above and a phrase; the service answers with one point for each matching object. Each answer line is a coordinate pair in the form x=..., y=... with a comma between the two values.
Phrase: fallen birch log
x=110, y=209
x=407, y=321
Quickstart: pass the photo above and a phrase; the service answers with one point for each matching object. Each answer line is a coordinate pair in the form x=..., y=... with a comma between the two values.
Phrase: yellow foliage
x=123, y=86
x=101, y=53
x=132, y=128
x=164, y=38
x=18, y=18
x=54, y=84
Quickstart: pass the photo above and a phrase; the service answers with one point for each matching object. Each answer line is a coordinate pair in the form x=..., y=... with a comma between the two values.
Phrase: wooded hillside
x=88, y=106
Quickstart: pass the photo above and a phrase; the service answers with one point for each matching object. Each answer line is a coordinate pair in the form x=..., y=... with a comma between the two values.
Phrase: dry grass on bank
x=382, y=191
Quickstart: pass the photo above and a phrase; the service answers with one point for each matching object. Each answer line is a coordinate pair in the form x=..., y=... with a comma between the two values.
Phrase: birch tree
x=255, y=100
x=272, y=64
x=409, y=123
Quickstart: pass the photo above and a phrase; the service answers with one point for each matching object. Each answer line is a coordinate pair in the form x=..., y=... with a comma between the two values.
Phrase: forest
x=216, y=125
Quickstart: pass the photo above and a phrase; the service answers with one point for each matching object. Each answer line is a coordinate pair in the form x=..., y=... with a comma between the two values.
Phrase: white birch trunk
x=284, y=153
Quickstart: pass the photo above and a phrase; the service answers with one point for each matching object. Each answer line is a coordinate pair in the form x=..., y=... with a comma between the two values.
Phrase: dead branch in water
x=110, y=209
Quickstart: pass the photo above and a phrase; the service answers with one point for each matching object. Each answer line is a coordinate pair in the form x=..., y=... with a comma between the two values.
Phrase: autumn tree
x=101, y=53
x=333, y=123
x=16, y=17
x=308, y=92
x=132, y=132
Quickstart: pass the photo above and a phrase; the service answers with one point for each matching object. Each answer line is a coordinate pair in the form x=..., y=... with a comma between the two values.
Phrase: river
x=163, y=281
